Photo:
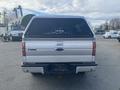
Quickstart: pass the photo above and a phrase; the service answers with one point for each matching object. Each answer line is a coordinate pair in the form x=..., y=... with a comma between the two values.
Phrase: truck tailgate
x=59, y=51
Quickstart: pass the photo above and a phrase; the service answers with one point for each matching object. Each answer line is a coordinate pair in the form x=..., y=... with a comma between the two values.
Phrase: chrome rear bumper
x=69, y=67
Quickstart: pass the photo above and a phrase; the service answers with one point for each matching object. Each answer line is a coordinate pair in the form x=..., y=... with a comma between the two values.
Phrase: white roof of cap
x=58, y=16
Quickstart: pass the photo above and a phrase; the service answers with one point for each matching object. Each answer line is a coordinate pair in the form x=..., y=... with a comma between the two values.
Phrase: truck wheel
x=4, y=39
x=36, y=74
x=109, y=37
x=81, y=73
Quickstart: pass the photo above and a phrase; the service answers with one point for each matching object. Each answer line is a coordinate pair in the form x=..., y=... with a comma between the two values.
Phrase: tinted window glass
x=58, y=28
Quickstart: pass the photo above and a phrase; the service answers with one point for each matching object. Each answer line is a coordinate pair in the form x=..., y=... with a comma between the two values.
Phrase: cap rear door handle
x=32, y=49
x=59, y=49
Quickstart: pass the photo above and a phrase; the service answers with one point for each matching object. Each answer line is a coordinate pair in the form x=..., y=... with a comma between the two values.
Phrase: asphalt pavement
x=106, y=76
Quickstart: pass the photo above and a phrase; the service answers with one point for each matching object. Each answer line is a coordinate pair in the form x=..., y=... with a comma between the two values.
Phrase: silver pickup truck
x=58, y=44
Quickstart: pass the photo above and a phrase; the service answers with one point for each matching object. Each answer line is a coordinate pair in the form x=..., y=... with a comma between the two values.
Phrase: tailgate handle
x=31, y=49
x=59, y=49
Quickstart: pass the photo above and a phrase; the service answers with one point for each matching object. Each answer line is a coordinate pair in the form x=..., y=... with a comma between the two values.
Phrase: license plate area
x=60, y=69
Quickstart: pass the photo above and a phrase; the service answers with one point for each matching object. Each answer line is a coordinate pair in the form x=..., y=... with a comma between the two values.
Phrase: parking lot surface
x=106, y=76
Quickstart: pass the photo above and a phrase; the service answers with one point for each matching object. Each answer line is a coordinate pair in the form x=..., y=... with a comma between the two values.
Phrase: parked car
x=110, y=34
x=16, y=32
x=58, y=45
x=118, y=36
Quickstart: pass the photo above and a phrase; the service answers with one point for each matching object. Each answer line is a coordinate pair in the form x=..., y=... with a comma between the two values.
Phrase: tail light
x=23, y=49
x=94, y=49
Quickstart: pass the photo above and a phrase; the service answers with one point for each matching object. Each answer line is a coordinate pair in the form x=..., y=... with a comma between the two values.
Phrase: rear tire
x=4, y=39
x=109, y=37
x=36, y=74
x=81, y=73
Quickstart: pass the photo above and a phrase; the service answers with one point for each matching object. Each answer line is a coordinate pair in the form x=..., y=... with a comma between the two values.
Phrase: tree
x=115, y=24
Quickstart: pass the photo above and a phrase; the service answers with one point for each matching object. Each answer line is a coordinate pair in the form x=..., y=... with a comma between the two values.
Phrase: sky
x=97, y=11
